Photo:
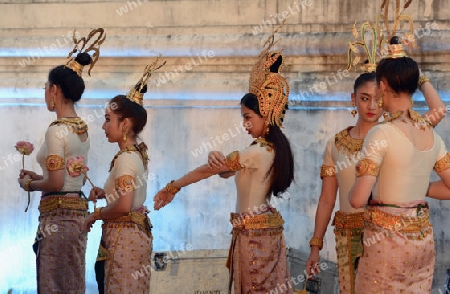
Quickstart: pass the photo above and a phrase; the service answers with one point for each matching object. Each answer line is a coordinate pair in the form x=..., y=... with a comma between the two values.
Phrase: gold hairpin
x=135, y=94
x=271, y=89
x=396, y=50
x=370, y=49
x=80, y=47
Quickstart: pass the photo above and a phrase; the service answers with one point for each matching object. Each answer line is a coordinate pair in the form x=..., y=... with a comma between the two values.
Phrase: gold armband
x=171, y=188
x=327, y=171
x=443, y=163
x=232, y=161
x=26, y=185
x=125, y=183
x=367, y=167
x=316, y=242
x=54, y=162
x=422, y=80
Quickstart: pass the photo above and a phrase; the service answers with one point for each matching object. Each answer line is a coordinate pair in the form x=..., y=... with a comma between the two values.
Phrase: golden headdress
x=95, y=46
x=394, y=50
x=369, y=46
x=271, y=89
x=135, y=94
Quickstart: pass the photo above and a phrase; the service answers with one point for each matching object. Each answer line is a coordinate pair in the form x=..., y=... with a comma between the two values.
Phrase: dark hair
x=362, y=79
x=283, y=163
x=126, y=108
x=401, y=74
x=70, y=83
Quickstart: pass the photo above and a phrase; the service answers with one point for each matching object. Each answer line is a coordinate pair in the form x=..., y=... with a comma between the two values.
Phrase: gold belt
x=344, y=220
x=260, y=221
x=54, y=202
x=395, y=222
x=135, y=217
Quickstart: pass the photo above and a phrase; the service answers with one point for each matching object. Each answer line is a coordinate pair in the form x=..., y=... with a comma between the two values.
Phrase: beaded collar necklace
x=129, y=148
x=76, y=124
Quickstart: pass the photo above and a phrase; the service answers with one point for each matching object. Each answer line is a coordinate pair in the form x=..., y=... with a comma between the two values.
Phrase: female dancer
x=60, y=257
x=126, y=243
x=399, y=252
x=257, y=260
x=337, y=173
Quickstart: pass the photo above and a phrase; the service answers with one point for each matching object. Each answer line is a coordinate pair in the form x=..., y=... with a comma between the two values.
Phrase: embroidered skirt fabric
x=399, y=252
x=128, y=264
x=348, y=233
x=257, y=259
x=60, y=257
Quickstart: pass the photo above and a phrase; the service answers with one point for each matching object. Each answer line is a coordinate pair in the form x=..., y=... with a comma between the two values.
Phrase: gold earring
x=53, y=103
x=412, y=102
x=380, y=102
x=354, y=111
x=124, y=134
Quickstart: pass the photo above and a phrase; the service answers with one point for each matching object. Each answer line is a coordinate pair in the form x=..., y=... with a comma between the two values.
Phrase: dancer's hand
x=312, y=264
x=34, y=176
x=162, y=198
x=89, y=222
x=216, y=159
x=96, y=193
x=23, y=180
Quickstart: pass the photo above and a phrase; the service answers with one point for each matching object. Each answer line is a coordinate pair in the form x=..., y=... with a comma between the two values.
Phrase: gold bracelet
x=98, y=213
x=171, y=188
x=316, y=242
x=26, y=185
x=422, y=80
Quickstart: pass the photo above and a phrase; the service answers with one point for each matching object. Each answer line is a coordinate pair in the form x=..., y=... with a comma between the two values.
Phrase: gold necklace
x=76, y=124
x=346, y=144
x=141, y=148
x=418, y=120
x=264, y=143
x=129, y=148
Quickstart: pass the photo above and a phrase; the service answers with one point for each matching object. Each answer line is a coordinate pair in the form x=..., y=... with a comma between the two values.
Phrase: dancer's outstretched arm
x=164, y=196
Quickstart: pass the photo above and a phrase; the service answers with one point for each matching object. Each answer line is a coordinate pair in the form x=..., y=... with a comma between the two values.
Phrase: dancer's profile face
x=253, y=123
x=112, y=126
x=367, y=102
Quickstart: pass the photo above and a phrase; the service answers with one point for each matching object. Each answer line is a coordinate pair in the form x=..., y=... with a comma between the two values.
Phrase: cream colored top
x=253, y=187
x=344, y=161
x=404, y=173
x=61, y=141
x=128, y=173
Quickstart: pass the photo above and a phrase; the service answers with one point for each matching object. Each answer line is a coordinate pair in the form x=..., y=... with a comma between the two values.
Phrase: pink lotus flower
x=25, y=148
x=75, y=166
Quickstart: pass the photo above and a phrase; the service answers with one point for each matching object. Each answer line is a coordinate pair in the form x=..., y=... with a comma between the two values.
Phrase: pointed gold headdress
x=369, y=46
x=396, y=50
x=135, y=94
x=80, y=47
x=271, y=89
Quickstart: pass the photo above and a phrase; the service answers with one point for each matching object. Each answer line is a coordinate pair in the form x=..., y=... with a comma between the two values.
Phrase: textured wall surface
x=192, y=103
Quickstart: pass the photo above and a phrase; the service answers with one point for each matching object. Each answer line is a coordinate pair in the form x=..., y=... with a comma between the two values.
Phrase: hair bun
x=395, y=40
x=143, y=90
x=83, y=58
x=276, y=65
